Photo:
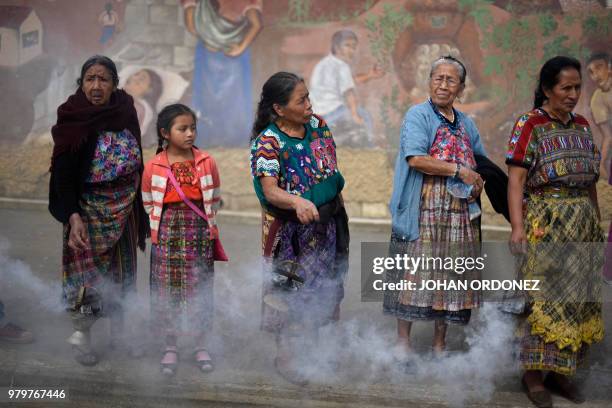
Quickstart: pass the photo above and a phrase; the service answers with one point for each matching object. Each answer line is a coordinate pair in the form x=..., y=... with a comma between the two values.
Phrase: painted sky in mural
x=214, y=55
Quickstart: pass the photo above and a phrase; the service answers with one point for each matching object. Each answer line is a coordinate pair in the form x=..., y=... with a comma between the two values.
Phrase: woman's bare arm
x=517, y=176
x=305, y=210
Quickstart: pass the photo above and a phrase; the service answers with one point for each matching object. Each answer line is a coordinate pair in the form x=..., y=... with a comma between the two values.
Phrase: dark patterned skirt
x=314, y=303
x=445, y=230
x=182, y=271
x=109, y=265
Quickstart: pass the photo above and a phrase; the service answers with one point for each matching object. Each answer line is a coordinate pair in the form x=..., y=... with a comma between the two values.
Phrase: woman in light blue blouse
x=433, y=202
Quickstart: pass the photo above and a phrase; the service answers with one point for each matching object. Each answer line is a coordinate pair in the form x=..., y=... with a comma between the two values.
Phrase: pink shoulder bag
x=218, y=251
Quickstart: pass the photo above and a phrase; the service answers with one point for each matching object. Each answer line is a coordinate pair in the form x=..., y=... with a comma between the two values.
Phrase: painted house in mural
x=20, y=35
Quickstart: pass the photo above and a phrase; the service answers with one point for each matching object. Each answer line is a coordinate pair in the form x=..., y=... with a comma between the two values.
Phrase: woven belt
x=558, y=192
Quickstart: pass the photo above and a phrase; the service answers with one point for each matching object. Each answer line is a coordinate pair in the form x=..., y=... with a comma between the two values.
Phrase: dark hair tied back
x=165, y=120
x=277, y=90
x=549, y=76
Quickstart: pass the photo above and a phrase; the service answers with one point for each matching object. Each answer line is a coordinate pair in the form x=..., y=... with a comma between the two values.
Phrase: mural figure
x=222, y=94
x=145, y=87
x=152, y=89
x=109, y=20
x=333, y=94
x=599, y=68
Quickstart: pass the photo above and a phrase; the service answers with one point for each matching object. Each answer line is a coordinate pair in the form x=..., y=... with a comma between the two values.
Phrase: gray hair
x=99, y=60
x=449, y=59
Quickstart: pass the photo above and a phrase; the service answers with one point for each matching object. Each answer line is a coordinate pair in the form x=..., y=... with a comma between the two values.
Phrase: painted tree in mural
x=384, y=32
x=516, y=48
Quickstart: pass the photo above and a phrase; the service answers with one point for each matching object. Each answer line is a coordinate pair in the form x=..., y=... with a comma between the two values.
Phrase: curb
x=11, y=202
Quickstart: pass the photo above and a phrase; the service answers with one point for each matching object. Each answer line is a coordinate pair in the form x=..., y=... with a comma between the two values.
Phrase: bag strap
x=181, y=194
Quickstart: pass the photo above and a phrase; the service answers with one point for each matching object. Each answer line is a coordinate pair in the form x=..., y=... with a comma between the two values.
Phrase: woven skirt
x=316, y=302
x=445, y=231
x=109, y=265
x=182, y=270
x=566, y=255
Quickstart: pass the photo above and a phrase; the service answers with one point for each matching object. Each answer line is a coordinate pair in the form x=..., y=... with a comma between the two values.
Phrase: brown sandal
x=540, y=399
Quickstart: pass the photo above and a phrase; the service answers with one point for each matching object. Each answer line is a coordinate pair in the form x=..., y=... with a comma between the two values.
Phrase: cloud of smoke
x=17, y=276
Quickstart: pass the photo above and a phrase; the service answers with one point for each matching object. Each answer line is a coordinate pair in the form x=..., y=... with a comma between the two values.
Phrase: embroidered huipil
x=555, y=154
x=305, y=167
x=117, y=154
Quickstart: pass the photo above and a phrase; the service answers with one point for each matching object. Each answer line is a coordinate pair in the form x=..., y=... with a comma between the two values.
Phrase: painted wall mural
x=222, y=94
x=366, y=61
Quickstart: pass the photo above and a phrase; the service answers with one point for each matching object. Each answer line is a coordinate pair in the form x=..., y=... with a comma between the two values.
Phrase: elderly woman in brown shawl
x=95, y=178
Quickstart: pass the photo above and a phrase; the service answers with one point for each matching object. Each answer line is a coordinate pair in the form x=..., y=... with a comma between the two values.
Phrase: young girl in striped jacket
x=180, y=190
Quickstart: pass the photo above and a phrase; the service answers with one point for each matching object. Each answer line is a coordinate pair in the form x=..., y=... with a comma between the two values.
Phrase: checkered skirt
x=445, y=230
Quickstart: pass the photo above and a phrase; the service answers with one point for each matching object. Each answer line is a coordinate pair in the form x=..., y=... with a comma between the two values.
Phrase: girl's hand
x=78, y=239
x=518, y=241
x=306, y=210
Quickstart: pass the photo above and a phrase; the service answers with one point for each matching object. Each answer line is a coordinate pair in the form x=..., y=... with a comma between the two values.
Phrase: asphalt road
x=350, y=366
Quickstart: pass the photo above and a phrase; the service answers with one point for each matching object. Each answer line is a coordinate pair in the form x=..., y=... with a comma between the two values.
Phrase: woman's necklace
x=450, y=116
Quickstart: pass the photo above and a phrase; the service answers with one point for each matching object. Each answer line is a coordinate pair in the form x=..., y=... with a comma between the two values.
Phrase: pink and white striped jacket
x=155, y=180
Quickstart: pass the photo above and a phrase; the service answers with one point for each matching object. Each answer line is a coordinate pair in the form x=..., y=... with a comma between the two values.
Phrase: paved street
x=351, y=365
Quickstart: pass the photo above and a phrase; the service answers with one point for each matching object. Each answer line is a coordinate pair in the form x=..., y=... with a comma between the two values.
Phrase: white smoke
x=17, y=276
x=356, y=352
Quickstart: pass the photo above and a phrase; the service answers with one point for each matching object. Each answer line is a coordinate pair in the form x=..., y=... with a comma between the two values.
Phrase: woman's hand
x=470, y=177
x=255, y=25
x=306, y=210
x=518, y=241
x=357, y=119
x=517, y=177
x=235, y=50
x=78, y=239
x=477, y=190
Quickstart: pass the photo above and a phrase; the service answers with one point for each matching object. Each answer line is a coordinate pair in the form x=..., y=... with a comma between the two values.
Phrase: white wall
x=9, y=47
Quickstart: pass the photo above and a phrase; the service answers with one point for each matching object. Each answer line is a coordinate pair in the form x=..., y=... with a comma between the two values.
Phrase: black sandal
x=568, y=391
